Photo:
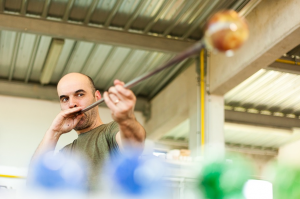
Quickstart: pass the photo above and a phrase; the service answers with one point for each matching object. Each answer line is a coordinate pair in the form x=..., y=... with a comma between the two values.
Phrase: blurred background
x=246, y=104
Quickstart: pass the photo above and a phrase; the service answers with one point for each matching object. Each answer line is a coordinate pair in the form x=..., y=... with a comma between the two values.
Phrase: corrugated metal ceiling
x=22, y=58
x=176, y=18
x=267, y=92
x=22, y=55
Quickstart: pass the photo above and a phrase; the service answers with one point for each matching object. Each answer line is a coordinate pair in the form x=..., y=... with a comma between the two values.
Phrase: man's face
x=75, y=90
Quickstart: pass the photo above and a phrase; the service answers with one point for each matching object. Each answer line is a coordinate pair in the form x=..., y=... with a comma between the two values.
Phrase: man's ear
x=98, y=95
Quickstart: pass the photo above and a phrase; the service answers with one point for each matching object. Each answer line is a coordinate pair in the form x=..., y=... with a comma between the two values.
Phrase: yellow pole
x=287, y=61
x=202, y=100
x=10, y=176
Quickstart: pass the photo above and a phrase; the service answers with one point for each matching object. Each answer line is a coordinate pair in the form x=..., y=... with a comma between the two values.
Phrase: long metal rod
x=166, y=78
x=160, y=59
x=121, y=68
x=178, y=58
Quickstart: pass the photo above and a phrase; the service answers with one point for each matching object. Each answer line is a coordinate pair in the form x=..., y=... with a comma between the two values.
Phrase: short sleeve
x=110, y=135
x=66, y=150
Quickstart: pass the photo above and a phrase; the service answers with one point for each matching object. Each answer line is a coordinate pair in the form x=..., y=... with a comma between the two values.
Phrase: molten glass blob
x=225, y=31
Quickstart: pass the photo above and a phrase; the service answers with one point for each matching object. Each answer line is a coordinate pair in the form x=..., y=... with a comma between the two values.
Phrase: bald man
x=96, y=141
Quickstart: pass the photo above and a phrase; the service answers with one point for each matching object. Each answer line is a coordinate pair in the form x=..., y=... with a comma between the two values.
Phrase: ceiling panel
x=13, y=5
x=77, y=56
x=144, y=87
x=23, y=55
x=112, y=62
x=35, y=7
x=79, y=10
x=136, y=59
x=270, y=90
x=63, y=60
x=40, y=58
x=258, y=136
x=6, y=51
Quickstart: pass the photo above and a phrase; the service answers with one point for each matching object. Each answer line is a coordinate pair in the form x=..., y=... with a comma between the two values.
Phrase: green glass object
x=223, y=179
x=286, y=182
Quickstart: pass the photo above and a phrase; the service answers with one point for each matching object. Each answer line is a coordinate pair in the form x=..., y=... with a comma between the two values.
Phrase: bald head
x=77, y=90
x=73, y=81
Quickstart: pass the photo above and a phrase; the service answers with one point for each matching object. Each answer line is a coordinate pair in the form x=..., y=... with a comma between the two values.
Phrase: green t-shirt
x=97, y=146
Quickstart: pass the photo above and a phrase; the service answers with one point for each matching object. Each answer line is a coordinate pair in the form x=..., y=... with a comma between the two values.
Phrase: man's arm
x=48, y=143
x=64, y=122
x=131, y=134
x=121, y=102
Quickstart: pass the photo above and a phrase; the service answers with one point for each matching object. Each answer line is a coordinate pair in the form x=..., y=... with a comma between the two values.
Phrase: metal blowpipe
x=225, y=31
x=178, y=58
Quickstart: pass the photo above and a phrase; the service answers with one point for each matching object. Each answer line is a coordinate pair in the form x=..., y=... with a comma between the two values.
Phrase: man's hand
x=121, y=102
x=66, y=120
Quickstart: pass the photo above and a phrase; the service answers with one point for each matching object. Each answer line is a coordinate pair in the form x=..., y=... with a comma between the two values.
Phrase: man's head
x=78, y=90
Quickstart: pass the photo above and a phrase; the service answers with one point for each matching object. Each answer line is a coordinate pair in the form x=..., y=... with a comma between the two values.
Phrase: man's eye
x=80, y=94
x=64, y=99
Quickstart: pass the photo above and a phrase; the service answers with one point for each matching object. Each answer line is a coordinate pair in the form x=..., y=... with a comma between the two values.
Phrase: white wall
x=23, y=123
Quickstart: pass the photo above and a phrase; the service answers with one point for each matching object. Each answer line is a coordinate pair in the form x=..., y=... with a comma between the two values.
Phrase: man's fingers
x=78, y=118
x=71, y=112
x=124, y=92
x=79, y=114
x=118, y=82
x=113, y=93
x=109, y=101
x=113, y=97
x=121, y=93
